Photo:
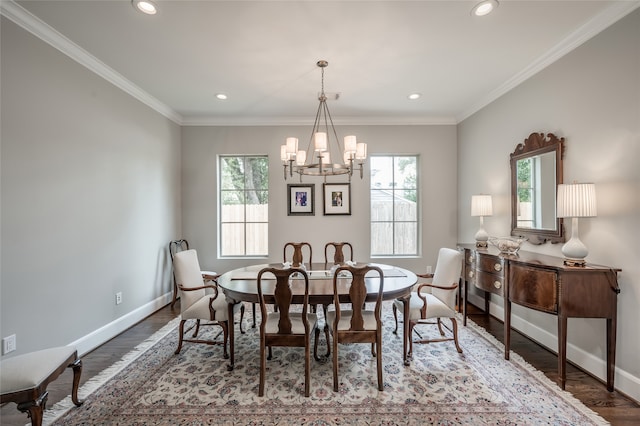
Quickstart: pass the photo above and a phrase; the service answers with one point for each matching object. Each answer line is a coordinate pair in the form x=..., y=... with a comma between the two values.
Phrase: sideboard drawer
x=536, y=288
x=492, y=283
x=492, y=264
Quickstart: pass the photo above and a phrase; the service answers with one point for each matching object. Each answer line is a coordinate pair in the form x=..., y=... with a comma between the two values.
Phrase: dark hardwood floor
x=612, y=406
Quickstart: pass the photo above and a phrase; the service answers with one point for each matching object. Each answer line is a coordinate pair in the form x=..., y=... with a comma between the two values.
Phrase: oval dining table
x=241, y=285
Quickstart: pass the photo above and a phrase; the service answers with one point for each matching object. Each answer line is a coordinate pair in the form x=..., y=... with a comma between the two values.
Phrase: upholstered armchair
x=436, y=300
x=198, y=305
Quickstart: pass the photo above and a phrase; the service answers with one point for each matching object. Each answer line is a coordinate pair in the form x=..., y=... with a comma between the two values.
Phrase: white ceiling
x=263, y=54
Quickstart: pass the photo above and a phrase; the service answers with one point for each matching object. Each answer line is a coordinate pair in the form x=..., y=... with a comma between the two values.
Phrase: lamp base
x=482, y=244
x=575, y=262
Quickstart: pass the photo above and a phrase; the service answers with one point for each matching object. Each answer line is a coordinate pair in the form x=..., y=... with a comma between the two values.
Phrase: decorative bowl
x=509, y=245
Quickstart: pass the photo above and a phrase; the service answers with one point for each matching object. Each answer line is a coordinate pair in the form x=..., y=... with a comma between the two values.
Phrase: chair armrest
x=202, y=287
x=425, y=275
x=441, y=287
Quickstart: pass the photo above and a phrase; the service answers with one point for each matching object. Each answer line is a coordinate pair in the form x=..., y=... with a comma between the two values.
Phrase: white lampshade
x=577, y=200
x=292, y=146
x=361, y=151
x=320, y=141
x=326, y=158
x=350, y=144
x=301, y=157
x=283, y=153
x=481, y=205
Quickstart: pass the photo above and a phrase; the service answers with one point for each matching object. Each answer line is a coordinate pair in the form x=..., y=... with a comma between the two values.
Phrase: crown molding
x=46, y=33
x=590, y=29
x=42, y=30
x=307, y=121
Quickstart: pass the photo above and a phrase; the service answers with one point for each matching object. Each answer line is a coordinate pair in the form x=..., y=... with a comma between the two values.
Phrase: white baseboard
x=102, y=335
x=624, y=381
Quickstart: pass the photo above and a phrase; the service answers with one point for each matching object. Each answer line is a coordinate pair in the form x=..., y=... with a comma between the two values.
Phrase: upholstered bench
x=24, y=378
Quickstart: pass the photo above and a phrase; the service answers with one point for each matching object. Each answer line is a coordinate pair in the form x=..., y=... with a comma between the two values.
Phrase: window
x=394, y=205
x=244, y=205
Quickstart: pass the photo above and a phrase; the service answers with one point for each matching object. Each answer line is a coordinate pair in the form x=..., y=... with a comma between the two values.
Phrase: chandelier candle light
x=317, y=159
x=576, y=200
x=482, y=206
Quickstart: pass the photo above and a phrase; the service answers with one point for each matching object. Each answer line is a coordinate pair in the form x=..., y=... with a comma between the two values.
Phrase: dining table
x=241, y=285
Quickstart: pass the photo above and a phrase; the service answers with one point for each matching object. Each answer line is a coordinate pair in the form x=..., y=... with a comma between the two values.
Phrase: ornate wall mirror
x=536, y=171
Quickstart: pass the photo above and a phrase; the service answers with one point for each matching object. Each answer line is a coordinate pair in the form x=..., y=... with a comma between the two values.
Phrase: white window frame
x=245, y=222
x=393, y=221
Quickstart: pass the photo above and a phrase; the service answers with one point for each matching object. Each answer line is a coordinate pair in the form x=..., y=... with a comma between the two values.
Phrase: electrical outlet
x=9, y=344
x=118, y=298
x=429, y=269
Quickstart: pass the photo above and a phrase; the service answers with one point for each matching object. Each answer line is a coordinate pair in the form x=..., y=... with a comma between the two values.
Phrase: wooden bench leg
x=34, y=409
x=77, y=371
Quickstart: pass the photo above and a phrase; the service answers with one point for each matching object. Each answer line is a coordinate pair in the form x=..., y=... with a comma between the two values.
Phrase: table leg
x=611, y=352
x=232, y=337
x=562, y=350
x=507, y=327
x=405, y=330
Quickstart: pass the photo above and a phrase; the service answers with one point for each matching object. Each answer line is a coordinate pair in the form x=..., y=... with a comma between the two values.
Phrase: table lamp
x=576, y=200
x=481, y=206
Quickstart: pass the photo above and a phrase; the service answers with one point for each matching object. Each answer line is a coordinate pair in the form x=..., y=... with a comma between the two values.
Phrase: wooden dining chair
x=295, y=252
x=174, y=247
x=357, y=324
x=436, y=300
x=285, y=327
x=338, y=252
x=196, y=304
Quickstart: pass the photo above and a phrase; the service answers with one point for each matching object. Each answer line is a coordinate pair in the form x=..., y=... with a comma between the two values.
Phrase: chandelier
x=320, y=157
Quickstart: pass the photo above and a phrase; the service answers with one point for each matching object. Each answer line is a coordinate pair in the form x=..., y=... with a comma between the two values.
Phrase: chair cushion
x=369, y=318
x=297, y=326
x=200, y=309
x=435, y=307
x=187, y=272
x=24, y=372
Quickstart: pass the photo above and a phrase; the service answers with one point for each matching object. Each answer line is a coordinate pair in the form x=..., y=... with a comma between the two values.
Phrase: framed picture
x=300, y=199
x=337, y=198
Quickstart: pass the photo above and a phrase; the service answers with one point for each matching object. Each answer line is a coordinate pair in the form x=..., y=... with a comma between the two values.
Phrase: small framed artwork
x=337, y=198
x=300, y=199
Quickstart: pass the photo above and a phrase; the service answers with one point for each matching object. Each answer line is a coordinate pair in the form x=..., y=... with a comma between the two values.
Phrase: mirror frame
x=537, y=144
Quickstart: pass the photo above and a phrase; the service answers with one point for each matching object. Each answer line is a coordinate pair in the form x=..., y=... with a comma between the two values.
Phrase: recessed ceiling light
x=484, y=7
x=414, y=96
x=221, y=96
x=145, y=6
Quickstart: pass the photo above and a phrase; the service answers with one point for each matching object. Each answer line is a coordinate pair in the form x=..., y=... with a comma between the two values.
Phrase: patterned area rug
x=152, y=386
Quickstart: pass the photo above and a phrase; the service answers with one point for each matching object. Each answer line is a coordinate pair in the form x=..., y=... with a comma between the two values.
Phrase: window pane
x=232, y=239
x=405, y=172
x=382, y=238
x=257, y=211
x=232, y=206
x=405, y=209
x=381, y=172
x=257, y=239
x=257, y=173
x=231, y=173
x=381, y=205
x=405, y=238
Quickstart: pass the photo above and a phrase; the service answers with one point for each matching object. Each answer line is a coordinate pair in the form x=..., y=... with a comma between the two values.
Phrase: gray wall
x=90, y=198
x=592, y=98
x=436, y=146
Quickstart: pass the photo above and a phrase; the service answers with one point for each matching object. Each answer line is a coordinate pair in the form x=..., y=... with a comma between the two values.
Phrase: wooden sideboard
x=544, y=283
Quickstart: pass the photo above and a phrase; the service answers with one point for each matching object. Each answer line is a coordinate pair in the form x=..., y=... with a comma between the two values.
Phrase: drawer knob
x=471, y=258
x=471, y=274
x=497, y=267
x=497, y=284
